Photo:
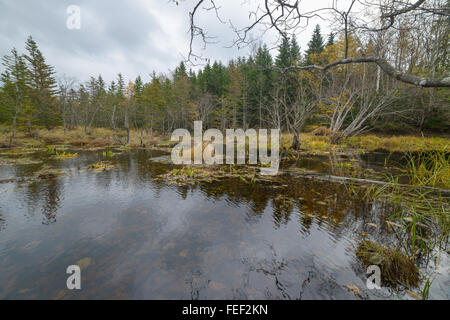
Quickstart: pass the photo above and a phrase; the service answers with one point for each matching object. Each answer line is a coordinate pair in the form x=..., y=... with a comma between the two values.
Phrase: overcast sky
x=133, y=37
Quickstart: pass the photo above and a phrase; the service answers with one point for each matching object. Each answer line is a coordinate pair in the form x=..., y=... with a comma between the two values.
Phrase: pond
x=138, y=237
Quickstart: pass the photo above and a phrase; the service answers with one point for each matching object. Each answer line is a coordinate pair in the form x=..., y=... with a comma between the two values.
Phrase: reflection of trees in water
x=291, y=195
x=47, y=195
x=183, y=191
x=325, y=204
x=2, y=222
x=51, y=201
x=282, y=209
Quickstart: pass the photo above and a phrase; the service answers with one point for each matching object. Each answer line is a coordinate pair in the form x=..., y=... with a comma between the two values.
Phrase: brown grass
x=95, y=137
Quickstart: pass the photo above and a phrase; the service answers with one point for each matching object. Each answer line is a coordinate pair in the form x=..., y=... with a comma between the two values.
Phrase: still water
x=136, y=237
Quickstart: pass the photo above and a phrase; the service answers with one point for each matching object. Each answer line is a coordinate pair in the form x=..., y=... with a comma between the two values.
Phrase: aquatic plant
x=187, y=171
x=395, y=267
x=107, y=154
x=430, y=169
x=64, y=155
x=425, y=293
x=101, y=165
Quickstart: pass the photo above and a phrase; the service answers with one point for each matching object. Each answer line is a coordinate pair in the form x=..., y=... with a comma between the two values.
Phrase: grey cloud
x=133, y=37
x=118, y=28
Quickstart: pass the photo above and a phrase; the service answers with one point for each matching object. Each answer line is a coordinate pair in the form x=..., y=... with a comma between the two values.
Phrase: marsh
x=136, y=236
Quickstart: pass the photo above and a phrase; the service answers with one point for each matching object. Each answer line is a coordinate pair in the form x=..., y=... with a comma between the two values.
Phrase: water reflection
x=136, y=237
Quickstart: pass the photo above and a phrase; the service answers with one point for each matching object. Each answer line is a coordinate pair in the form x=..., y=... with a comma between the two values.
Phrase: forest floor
x=103, y=137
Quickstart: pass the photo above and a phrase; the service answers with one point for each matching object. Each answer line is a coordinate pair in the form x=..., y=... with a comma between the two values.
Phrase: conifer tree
x=330, y=40
x=42, y=85
x=316, y=45
x=283, y=59
x=15, y=88
x=295, y=51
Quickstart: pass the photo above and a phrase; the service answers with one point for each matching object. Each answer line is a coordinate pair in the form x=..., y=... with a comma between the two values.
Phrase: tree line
x=260, y=90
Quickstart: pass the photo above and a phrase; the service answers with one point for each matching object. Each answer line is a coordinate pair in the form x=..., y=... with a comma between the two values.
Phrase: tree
x=283, y=59
x=330, y=40
x=264, y=79
x=66, y=97
x=295, y=52
x=15, y=87
x=315, y=46
x=42, y=85
x=285, y=17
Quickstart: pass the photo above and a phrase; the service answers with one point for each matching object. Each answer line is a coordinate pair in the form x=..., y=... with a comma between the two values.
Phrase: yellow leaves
x=129, y=90
x=353, y=289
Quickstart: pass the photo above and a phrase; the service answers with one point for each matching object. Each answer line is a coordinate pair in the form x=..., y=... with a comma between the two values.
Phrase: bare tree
x=66, y=96
x=352, y=108
x=300, y=111
x=205, y=106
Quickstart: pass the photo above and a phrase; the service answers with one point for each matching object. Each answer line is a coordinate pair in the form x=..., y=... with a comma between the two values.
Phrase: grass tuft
x=395, y=267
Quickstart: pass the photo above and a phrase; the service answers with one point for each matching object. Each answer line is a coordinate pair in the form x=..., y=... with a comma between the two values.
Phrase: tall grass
x=399, y=143
x=430, y=169
x=421, y=218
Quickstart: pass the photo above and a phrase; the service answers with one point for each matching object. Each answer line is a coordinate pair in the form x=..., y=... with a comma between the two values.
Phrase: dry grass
x=96, y=137
x=101, y=137
x=322, y=144
x=400, y=143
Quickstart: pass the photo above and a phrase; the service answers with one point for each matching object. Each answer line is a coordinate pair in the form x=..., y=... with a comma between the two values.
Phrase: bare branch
x=387, y=68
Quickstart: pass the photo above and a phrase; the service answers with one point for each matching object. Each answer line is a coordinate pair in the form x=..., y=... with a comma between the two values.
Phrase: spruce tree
x=316, y=45
x=330, y=40
x=15, y=88
x=295, y=51
x=283, y=60
x=42, y=84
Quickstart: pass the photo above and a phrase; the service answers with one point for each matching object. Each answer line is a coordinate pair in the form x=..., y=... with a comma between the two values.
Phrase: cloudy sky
x=134, y=37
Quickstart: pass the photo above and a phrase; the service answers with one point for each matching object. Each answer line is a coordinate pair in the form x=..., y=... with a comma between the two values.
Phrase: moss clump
x=395, y=266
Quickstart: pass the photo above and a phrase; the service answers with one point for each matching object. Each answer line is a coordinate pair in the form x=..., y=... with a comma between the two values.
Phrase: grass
x=421, y=219
x=368, y=143
x=395, y=267
x=95, y=137
x=102, y=137
x=399, y=143
x=430, y=169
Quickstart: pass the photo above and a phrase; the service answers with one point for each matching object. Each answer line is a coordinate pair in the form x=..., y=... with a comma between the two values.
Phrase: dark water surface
x=137, y=237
